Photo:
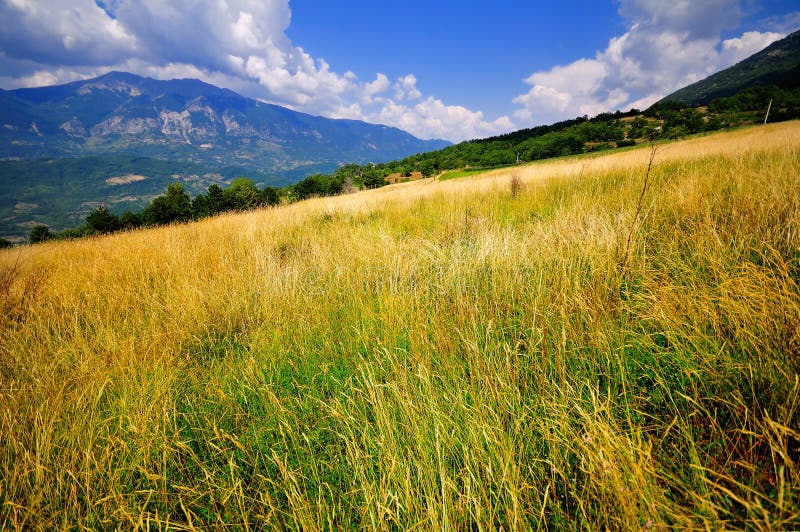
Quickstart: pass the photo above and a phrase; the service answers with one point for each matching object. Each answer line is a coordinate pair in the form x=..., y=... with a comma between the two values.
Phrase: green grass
x=463, y=173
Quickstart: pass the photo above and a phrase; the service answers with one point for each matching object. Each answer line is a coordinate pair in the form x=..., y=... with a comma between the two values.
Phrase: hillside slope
x=540, y=347
x=778, y=64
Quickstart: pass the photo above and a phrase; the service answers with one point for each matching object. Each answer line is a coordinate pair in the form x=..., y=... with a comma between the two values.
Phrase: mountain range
x=187, y=120
x=120, y=138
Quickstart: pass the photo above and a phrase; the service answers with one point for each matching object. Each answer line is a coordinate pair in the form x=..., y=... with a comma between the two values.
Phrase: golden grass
x=427, y=355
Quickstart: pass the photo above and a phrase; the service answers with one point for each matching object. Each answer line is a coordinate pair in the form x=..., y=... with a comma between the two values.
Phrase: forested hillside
x=668, y=120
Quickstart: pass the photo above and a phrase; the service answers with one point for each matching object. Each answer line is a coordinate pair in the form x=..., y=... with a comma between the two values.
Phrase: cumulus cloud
x=406, y=88
x=437, y=118
x=668, y=45
x=374, y=88
x=238, y=44
x=737, y=49
x=61, y=32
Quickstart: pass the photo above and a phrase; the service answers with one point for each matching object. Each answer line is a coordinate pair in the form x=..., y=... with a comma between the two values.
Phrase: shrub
x=39, y=233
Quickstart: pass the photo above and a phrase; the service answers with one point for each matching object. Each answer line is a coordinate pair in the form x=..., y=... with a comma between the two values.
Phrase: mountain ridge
x=186, y=120
x=777, y=64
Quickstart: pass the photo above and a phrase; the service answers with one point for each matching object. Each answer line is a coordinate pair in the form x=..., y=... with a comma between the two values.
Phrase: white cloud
x=62, y=32
x=238, y=44
x=668, y=45
x=785, y=24
x=373, y=88
x=433, y=118
x=406, y=88
x=740, y=48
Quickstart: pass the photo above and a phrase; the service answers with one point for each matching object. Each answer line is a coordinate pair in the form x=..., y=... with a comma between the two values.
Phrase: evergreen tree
x=216, y=199
x=101, y=220
x=174, y=206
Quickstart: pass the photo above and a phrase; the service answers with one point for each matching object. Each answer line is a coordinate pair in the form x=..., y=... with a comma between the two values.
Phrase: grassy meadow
x=551, y=346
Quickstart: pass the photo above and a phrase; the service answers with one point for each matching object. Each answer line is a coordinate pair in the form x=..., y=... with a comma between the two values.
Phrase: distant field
x=61, y=192
x=461, y=173
x=572, y=351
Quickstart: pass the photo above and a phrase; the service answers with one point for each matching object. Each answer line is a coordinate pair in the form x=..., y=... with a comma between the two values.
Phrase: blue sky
x=471, y=53
x=474, y=53
x=443, y=69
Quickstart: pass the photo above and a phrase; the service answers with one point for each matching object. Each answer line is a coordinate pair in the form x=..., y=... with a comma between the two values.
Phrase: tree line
x=175, y=205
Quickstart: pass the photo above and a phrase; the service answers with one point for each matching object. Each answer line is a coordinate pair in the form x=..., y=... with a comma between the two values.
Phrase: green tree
x=211, y=203
x=75, y=232
x=427, y=167
x=130, y=220
x=200, y=206
x=5, y=243
x=319, y=185
x=270, y=196
x=372, y=178
x=692, y=120
x=242, y=195
x=174, y=206
x=216, y=199
x=638, y=126
x=39, y=233
x=101, y=220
